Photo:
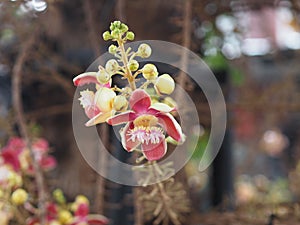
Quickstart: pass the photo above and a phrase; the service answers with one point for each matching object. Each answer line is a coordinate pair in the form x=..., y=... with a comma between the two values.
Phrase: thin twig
x=18, y=107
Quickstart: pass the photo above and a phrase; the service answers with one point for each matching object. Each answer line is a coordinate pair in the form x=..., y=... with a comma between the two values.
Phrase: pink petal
x=11, y=157
x=91, y=111
x=82, y=210
x=155, y=151
x=121, y=118
x=48, y=163
x=127, y=143
x=85, y=78
x=97, y=220
x=41, y=145
x=171, y=126
x=139, y=101
x=161, y=107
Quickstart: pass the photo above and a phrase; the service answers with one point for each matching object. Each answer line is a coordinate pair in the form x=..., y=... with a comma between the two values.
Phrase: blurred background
x=252, y=47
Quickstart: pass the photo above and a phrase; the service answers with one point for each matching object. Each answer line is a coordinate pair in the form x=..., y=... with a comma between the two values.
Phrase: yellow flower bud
x=144, y=51
x=103, y=76
x=150, y=72
x=64, y=217
x=82, y=199
x=112, y=66
x=19, y=196
x=165, y=84
x=120, y=103
x=104, y=99
x=170, y=102
x=14, y=179
x=133, y=65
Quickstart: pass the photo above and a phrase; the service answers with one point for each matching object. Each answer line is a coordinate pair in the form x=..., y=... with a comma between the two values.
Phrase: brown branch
x=18, y=107
x=49, y=111
x=104, y=129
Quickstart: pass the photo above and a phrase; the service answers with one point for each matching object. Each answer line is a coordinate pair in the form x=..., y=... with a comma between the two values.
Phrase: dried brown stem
x=18, y=107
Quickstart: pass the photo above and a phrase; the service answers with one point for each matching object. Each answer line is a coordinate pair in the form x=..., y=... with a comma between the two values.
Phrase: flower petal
x=100, y=118
x=85, y=78
x=171, y=126
x=161, y=107
x=139, y=101
x=97, y=220
x=121, y=118
x=127, y=143
x=154, y=151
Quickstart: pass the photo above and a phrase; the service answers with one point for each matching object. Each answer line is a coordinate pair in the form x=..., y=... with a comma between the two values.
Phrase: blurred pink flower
x=82, y=216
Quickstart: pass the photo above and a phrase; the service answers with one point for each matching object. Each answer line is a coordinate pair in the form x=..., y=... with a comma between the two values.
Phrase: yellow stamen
x=145, y=121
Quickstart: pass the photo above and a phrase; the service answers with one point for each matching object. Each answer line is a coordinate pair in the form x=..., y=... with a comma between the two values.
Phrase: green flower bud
x=133, y=65
x=112, y=66
x=112, y=49
x=58, y=195
x=144, y=51
x=165, y=84
x=120, y=103
x=115, y=34
x=149, y=72
x=115, y=25
x=130, y=36
x=123, y=27
x=103, y=76
x=106, y=36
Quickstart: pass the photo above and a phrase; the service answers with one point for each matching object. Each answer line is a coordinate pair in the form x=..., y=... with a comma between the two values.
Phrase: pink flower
x=17, y=155
x=82, y=216
x=146, y=125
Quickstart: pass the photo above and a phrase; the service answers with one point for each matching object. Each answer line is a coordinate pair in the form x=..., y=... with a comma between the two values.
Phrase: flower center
x=145, y=121
x=148, y=135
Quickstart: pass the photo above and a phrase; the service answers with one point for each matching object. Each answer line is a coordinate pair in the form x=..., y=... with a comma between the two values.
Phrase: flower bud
x=58, y=195
x=19, y=196
x=106, y=36
x=112, y=66
x=170, y=102
x=112, y=49
x=144, y=51
x=123, y=27
x=14, y=179
x=165, y=84
x=115, y=34
x=120, y=103
x=104, y=99
x=150, y=72
x=130, y=36
x=133, y=65
x=81, y=199
x=115, y=25
x=103, y=76
x=64, y=217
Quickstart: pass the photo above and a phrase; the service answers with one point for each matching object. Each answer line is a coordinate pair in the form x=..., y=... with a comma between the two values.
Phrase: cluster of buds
x=61, y=212
x=148, y=119
x=18, y=195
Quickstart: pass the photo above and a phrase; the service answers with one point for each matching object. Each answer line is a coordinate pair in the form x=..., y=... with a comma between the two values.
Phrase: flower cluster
x=60, y=212
x=18, y=192
x=147, y=120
